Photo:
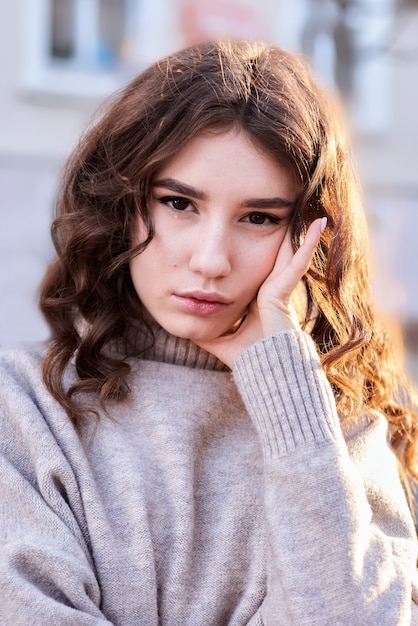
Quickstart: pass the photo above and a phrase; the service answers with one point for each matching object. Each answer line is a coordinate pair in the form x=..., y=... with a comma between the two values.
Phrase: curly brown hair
x=215, y=86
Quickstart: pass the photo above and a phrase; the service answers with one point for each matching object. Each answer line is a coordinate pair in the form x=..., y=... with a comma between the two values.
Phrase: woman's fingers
x=274, y=297
x=290, y=267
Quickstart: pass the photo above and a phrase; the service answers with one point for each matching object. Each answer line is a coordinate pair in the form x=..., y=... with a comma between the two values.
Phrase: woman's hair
x=87, y=295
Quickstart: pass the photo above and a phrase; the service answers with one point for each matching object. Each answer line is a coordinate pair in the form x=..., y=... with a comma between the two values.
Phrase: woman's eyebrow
x=176, y=186
x=267, y=203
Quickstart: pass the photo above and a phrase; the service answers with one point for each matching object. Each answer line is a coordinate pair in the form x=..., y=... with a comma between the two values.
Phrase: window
x=89, y=34
x=80, y=48
x=62, y=29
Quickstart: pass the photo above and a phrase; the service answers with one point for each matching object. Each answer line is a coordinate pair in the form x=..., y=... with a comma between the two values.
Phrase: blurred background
x=61, y=58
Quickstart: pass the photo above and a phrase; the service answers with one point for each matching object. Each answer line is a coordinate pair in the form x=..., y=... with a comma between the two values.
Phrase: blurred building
x=61, y=58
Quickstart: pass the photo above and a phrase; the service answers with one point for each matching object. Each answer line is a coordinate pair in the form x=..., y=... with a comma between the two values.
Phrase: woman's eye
x=263, y=218
x=177, y=203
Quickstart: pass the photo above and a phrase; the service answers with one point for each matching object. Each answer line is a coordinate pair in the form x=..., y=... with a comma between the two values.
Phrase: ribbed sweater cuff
x=286, y=393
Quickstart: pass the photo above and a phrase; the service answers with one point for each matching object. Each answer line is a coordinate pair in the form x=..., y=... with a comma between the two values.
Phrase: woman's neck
x=153, y=343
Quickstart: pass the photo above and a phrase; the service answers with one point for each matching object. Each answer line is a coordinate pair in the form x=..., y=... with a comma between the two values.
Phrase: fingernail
x=323, y=224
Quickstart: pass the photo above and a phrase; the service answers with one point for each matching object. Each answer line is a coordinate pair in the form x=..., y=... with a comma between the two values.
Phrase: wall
x=37, y=132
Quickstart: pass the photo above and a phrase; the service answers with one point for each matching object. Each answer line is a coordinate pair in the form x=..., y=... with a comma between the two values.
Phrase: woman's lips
x=201, y=303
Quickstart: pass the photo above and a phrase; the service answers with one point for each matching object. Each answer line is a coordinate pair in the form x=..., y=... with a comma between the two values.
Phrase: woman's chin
x=198, y=332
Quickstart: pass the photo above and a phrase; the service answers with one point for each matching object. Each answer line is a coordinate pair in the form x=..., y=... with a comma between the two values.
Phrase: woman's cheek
x=265, y=260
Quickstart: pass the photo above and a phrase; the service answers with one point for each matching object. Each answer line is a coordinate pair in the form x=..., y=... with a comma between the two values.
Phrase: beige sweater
x=209, y=499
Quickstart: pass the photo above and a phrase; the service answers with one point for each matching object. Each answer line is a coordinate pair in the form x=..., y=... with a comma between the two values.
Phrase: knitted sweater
x=208, y=498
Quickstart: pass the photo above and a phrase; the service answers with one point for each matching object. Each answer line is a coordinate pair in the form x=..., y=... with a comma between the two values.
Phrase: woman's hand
x=271, y=311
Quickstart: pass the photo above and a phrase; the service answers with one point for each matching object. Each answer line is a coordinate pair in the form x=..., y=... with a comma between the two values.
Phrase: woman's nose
x=211, y=255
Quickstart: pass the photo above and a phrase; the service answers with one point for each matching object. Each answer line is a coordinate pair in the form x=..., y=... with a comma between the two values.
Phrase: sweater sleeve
x=46, y=570
x=341, y=545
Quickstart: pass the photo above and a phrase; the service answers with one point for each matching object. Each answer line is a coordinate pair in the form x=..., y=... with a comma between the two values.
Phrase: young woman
x=209, y=436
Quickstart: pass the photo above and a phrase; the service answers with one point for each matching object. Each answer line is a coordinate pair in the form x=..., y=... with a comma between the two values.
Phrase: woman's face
x=221, y=210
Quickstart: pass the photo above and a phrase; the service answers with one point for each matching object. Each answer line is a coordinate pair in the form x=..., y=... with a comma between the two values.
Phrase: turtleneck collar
x=153, y=343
